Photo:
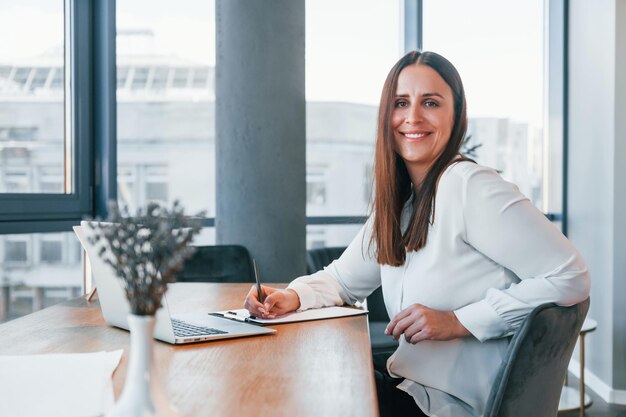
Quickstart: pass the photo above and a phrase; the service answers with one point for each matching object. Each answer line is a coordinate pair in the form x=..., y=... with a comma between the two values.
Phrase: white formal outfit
x=491, y=257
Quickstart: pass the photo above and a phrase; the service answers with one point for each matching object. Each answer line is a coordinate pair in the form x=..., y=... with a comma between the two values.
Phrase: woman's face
x=422, y=117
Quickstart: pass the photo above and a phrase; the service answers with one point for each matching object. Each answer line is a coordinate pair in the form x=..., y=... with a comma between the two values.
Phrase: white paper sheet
x=57, y=385
x=307, y=315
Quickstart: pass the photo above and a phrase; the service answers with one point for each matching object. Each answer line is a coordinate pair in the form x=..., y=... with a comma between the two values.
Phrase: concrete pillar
x=260, y=133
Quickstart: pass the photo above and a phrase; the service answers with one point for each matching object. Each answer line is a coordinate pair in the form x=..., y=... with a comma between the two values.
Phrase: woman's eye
x=431, y=103
x=401, y=103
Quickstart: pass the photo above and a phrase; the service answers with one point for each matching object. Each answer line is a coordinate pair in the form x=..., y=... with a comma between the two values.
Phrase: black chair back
x=530, y=379
x=219, y=263
x=317, y=259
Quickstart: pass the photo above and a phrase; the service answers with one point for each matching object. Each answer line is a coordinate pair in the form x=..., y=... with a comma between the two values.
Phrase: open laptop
x=179, y=329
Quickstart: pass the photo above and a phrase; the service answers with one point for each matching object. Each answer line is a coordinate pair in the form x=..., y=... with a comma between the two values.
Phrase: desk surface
x=321, y=368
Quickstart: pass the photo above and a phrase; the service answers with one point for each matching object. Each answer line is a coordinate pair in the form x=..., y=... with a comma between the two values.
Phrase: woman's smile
x=415, y=135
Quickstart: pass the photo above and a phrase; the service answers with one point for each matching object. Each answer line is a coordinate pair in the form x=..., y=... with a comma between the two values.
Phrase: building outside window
x=316, y=185
x=49, y=264
x=166, y=104
x=350, y=47
x=122, y=76
x=16, y=250
x=51, y=251
x=504, y=82
x=32, y=129
x=140, y=78
x=18, y=133
x=160, y=79
x=126, y=187
x=16, y=180
x=56, y=82
x=50, y=179
x=40, y=77
x=156, y=184
x=200, y=77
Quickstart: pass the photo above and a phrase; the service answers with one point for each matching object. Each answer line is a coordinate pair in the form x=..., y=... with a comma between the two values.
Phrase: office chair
x=219, y=263
x=531, y=376
x=382, y=345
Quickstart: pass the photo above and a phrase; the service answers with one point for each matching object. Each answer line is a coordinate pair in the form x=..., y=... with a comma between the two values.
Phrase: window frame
x=39, y=212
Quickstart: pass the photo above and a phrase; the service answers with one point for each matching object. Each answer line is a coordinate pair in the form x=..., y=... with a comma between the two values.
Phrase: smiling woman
x=423, y=96
x=456, y=280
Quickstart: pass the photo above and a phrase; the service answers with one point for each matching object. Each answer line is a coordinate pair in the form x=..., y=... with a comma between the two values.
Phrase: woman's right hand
x=276, y=302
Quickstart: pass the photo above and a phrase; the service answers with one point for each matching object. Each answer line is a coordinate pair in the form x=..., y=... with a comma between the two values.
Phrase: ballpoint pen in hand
x=258, y=281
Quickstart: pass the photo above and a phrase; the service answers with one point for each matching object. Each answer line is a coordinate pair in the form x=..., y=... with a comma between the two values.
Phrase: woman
x=461, y=254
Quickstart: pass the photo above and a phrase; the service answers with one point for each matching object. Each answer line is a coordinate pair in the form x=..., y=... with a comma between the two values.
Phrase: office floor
x=599, y=408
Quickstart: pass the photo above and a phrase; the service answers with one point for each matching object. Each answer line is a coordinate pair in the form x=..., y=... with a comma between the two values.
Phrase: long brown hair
x=393, y=186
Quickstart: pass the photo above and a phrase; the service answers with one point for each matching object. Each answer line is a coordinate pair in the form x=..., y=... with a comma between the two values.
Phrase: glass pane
x=206, y=237
x=38, y=270
x=166, y=102
x=321, y=236
x=350, y=47
x=503, y=78
x=31, y=95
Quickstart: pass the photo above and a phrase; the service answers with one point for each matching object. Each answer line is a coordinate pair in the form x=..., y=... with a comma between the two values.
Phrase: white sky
x=351, y=44
x=497, y=47
x=29, y=27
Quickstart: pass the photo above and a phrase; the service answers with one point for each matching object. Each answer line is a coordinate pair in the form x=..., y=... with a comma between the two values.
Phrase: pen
x=258, y=281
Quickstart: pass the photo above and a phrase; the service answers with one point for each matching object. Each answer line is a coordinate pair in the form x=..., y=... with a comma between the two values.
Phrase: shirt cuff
x=482, y=321
x=305, y=293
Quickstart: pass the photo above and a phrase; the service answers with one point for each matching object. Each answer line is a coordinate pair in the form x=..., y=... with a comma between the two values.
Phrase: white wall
x=619, y=261
x=596, y=191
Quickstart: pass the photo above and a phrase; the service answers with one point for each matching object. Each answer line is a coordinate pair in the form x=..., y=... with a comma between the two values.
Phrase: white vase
x=143, y=393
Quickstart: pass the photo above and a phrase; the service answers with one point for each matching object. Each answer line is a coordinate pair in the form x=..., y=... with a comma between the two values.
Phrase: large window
x=498, y=48
x=166, y=104
x=45, y=161
x=31, y=95
x=350, y=47
x=45, y=147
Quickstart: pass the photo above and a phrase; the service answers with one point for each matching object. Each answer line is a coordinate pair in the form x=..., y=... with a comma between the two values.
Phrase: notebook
x=175, y=329
x=243, y=315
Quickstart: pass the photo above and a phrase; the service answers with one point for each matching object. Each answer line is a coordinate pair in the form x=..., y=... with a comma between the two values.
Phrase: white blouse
x=491, y=257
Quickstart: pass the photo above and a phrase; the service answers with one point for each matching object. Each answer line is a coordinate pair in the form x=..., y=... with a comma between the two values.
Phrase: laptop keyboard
x=184, y=329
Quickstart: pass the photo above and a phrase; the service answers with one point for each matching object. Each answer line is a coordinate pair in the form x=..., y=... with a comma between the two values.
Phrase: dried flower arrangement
x=146, y=250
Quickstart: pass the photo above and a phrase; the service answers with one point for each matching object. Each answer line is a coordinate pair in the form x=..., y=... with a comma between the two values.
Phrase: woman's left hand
x=418, y=322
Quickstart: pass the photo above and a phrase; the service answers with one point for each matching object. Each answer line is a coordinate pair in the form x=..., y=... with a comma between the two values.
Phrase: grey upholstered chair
x=530, y=379
x=219, y=263
x=382, y=345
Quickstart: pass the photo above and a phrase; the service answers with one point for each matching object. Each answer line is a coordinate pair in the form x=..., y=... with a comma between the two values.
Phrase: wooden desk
x=321, y=368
